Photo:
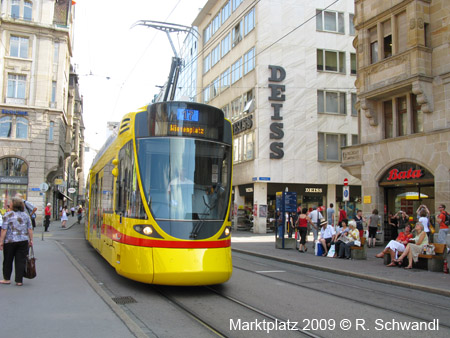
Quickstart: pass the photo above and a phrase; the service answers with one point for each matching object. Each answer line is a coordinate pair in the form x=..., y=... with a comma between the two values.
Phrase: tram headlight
x=226, y=232
x=147, y=230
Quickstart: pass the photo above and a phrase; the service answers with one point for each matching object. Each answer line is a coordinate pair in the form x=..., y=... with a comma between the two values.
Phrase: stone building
x=284, y=73
x=403, y=85
x=41, y=124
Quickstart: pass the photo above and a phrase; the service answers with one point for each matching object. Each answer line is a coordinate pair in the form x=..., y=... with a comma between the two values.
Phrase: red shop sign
x=397, y=175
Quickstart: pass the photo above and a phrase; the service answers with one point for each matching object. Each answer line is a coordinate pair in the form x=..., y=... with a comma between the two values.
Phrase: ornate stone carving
x=412, y=23
x=369, y=111
x=420, y=23
x=424, y=92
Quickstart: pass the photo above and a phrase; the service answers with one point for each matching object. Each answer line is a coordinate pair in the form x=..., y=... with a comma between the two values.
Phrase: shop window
x=13, y=166
x=388, y=119
x=387, y=39
x=330, y=21
x=402, y=118
x=417, y=115
x=330, y=61
x=330, y=145
x=373, y=36
x=331, y=102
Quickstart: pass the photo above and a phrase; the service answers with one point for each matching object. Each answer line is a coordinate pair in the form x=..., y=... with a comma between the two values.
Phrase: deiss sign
x=278, y=74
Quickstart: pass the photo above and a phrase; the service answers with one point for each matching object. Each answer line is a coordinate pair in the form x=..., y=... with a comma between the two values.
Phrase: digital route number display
x=187, y=115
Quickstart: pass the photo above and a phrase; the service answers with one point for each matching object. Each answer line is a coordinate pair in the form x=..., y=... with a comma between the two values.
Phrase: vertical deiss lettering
x=278, y=74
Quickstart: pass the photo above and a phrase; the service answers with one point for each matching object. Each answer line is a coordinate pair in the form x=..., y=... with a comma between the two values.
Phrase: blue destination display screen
x=187, y=115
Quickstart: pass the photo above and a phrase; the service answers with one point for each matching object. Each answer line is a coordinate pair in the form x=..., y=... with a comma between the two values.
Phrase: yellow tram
x=160, y=193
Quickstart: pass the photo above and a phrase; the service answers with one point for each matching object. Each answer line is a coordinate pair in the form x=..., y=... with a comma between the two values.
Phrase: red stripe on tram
x=162, y=243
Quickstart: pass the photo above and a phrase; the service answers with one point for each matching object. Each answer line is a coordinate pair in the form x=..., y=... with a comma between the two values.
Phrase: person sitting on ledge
x=394, y=247
x=326, y=234
x=340, y=233
x=352, y=236
x=415, y=247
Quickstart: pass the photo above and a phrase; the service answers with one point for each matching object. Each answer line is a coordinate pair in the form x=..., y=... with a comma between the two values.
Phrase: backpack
x=447, y=218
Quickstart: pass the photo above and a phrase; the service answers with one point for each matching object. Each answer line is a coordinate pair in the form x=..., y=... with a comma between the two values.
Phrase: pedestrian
x=393, y=222
x=359, y=219
x=342, y=215
x=72, y=211
x=443, y=221
x=48, y=214
x=64, y=217
x=15, y=238
x=330, y=215
x=31, y=209
x=374, y=223
x=79, y=214
x=302, y=226
x=316, y=218
x=403, y=220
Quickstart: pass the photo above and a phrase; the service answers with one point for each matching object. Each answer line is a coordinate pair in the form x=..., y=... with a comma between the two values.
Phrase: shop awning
x=412, y=195
x=61, y=196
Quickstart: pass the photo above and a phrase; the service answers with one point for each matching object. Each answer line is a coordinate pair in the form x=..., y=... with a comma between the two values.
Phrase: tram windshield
x=185, y=179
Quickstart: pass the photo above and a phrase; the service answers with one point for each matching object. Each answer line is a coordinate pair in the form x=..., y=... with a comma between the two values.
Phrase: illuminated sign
x=187, y=115
x=186, y=130
x=315, y=190
x=396, y=175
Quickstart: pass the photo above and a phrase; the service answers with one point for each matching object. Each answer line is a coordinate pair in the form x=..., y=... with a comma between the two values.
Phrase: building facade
x=283, y=73
x=403, y=84
x=41, y=124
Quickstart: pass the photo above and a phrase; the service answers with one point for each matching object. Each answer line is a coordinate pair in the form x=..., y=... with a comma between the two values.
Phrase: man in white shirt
x=315, y=217
x=326, y=234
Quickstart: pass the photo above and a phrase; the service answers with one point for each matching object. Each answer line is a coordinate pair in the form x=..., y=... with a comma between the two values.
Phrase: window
x=226, y=111
x=353, y=63
x=331, y=102
x=237, y=34
x=388, y=119
x=402, y=32
x=330, y=145
x=351, y=25
x=55, y=52
x=225, y=44
x=18, y=47
x=236, y=4
x=248, y=146
x=236, y=108
x=330, y=21
x=53, y=91
x=373, y=36
x=15, y=9
x=355, y=139
x=206, y=63
x=402, y=118
x=249, y=21
x=427, y=33
x=236, y=71
x=206, y=93
x=417, y=115
x=249, y=60
x=387, y=39
x=27, y=10
x=225, y=79
x=21, y=128
x=16, y=86
x=51, y=131
x=236, y=149
x=215, y=24
x=354, y=111
x=215, y=55
x=226, y=11
x=206, y=34
x=5, y=126
x=215, y=87
x=330, y=61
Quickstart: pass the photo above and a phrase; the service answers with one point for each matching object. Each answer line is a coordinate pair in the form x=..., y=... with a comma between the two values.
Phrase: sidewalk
x=62, y=301
x=263, y=245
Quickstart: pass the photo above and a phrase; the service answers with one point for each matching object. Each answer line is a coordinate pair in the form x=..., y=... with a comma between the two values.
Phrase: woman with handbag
x=414, y=249
x=16, y=236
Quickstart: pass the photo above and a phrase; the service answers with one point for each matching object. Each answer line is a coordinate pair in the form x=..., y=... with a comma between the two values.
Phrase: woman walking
x=64, y=217
x=374, y=222
x=302, y=226
x=16, y=236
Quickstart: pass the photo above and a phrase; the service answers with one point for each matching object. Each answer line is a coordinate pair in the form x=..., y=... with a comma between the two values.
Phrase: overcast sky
x=134, y=59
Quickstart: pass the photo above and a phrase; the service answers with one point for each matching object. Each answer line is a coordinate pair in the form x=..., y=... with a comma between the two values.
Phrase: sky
x=120, y=66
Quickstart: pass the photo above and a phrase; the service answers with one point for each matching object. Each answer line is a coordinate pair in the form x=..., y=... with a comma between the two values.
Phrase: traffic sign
x=71, y=190
x=345, y=181
x=346, y=193
x=43, y=187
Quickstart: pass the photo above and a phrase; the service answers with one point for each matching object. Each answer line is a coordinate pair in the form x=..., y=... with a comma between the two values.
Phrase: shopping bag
x=319, y=249
x=332, y=251
x=357, y=243
x=30, y=265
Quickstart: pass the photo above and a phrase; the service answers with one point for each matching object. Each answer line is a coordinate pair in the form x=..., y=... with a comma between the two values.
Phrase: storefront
x=13, y=180
x=406, y=186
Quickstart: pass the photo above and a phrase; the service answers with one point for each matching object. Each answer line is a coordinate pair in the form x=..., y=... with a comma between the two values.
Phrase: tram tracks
x=360, y=300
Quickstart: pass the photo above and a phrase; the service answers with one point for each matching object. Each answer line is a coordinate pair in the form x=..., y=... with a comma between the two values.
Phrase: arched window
x=5, y=126
x=13, y=166
x=21, y=128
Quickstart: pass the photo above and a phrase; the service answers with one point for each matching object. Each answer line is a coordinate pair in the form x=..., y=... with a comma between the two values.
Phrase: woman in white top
x=424, y=213
x=64, y=217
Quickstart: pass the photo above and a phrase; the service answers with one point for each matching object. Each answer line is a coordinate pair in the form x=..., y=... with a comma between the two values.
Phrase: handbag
x=432, y=230
x=429, y=249
x=30, y=266
x=332, y=251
